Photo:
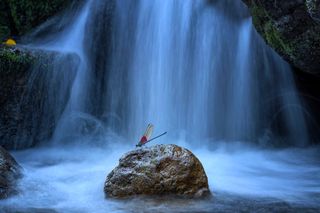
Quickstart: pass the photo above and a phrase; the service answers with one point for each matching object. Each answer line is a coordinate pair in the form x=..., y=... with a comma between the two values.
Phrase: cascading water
x=195, y=72
x=186, y=67
x=196, y=69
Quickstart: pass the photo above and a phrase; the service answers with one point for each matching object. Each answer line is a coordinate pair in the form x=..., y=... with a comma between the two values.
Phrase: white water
x=70, y=179
x=198, y=72
x=192, y=68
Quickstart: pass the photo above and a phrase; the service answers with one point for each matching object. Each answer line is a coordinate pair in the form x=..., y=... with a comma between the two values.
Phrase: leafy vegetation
x=18, y=17
x=14, y=60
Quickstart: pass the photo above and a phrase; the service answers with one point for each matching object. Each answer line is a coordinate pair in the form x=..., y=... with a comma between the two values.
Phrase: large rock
x=292, y=28
x=26, y=117
x=157, y=170
x=9, y=174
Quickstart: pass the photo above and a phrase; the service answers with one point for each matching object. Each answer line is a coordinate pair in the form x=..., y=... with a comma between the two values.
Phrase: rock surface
x=9, y=173
x=292, y=28
x=18, y=17
x=157, y=170
x=23, y=89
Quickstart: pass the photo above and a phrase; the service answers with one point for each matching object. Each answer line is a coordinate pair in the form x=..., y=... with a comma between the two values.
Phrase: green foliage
x=18, y=17
x=4, y=32
x=14, y=60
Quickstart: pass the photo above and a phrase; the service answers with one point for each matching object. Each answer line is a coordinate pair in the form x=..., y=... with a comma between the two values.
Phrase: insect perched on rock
x=147, y=135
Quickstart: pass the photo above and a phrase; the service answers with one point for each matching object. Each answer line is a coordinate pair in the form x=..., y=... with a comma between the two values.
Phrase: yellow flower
x=10, y=42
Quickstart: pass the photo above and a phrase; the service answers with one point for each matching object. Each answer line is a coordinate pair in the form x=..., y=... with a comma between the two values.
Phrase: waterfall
x=196, y=69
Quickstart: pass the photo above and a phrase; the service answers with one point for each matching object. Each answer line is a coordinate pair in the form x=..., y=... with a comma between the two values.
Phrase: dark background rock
x=10, y=172
x=15, y=67
x=157, y=170
x=18, y=17
x=292, y=28
x=25, y=117
x=308, y=86
x=20, y=117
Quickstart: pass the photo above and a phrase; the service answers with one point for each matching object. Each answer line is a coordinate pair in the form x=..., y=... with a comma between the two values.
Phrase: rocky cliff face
x=15, y=66
x=292, y=28
x=25, y=117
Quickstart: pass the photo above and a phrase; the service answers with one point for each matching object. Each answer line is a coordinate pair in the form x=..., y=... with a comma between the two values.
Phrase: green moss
x=258, y=15
x=275, y=39
x=15, y=56
x=13, y=60
x=265, y=26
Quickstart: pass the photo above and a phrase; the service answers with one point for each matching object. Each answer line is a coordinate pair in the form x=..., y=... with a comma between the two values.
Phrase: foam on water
x=71, y=179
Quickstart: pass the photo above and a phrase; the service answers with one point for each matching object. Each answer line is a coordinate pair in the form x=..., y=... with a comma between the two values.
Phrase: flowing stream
x=196, y=69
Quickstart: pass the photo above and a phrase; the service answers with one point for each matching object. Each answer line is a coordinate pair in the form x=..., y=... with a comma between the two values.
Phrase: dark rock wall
x=309, y=89
x=292, y=28
x=14, y=74
x=18, y=17
x=26, y=117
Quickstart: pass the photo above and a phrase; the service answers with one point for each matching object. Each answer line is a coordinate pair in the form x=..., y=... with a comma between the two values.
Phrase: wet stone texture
x=26, y=118
x=292, y=28
x=10, y=172
x=158, y=170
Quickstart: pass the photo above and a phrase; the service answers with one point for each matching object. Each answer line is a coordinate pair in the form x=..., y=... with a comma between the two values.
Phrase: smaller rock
x=157, y=170
x=10, y=172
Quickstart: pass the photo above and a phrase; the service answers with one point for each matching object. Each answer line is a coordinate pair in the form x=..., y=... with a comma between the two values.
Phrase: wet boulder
x=10, y=172
x=158, y=170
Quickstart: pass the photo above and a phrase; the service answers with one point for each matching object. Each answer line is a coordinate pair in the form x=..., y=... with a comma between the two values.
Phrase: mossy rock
x=290, y=29
x=14, y=60
x=26, y=117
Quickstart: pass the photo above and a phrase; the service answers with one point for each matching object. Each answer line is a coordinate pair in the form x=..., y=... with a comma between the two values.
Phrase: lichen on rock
x=157, y=170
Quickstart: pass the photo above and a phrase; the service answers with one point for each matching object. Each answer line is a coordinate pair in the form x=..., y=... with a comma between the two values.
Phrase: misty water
x=71, y=179
x=196, y=69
